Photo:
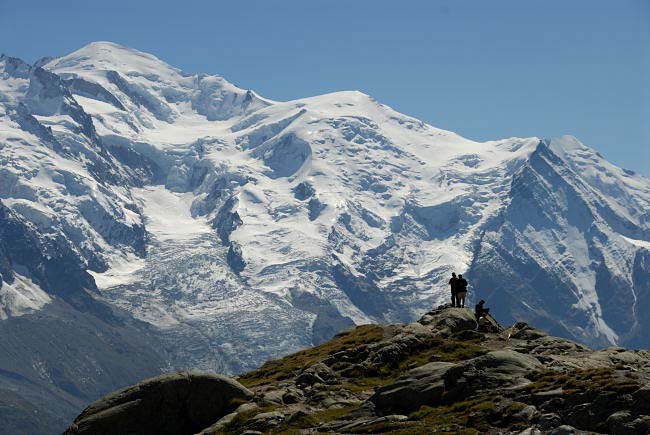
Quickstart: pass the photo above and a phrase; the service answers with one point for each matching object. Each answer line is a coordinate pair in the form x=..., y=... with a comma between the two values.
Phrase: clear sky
x=485, y=69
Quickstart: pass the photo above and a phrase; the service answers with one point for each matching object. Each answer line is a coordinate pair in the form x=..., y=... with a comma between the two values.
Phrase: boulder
x=421, y=386
x=265, y=420
x=227, y=419
x=642, y=424
x=317, y=374
x=618, y=423
x=642, y=399
x=358, y=425
x=175, y=403
x=523, y=331
x=549, y=421
x=546, y=345
x=526, y=415
x=450, y=320
x=496, y=369
x=567, y=430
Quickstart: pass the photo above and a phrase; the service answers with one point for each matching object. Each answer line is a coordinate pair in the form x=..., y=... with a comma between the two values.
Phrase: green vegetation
x=469, y=417
x=272, y=371
x=311, y=420
x=473, y=412
x=436, y=349
x=357, y=345
x=586, y=381
x=237, y=424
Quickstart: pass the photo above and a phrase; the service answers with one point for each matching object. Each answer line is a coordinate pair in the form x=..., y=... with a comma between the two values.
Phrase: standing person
x=461, y=292
x=453, y=284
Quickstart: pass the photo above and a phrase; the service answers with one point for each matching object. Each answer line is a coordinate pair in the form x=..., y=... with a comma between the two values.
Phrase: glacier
x=152, y=220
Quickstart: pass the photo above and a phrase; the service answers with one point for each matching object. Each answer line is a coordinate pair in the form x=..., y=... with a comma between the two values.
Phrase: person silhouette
x=453, y=284
x=461, y=292
x=480, y=310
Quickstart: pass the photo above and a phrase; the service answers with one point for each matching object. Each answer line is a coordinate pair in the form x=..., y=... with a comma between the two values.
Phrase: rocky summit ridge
x=441, y=374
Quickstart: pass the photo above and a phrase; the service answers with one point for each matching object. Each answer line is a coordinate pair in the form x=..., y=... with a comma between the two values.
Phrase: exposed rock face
x=446, y=373
x=176, y=403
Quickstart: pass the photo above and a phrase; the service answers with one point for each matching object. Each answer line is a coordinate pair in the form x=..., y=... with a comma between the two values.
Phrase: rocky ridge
x=442, y=374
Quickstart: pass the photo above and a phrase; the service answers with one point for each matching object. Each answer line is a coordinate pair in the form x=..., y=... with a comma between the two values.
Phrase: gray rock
x=523, y=331
x=450, y=320
x=618, y=423
x=274, y=396
x=567, y=430
x=544, y=396
x=583, y=415
x=619, y=417
x=316, y=374
x=525, y=415
x=266, y=420
x=225, y=420
x=642, y=399
x=422, y=386
x=554, y=345
x=496, y=369
x=358, y=424
x=292, y=395
x=175, y=403
x=548, y=421
x=642, y=424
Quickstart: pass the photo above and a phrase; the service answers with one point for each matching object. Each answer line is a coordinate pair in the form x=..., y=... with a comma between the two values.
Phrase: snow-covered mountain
x=152, y=219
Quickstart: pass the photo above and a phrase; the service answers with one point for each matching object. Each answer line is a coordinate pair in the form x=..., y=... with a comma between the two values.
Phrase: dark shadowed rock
x=175, y=403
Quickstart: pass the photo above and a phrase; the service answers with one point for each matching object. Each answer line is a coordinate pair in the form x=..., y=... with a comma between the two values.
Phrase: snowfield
x=238, y=228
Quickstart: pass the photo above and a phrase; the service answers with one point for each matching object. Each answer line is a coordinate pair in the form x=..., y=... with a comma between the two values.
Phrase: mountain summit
x=152, y=220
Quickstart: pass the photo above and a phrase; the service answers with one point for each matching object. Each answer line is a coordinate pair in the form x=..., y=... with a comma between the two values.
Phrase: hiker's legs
x=460, y=299
x=453, y=300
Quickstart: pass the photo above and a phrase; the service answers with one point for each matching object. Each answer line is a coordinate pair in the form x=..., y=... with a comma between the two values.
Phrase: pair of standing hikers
x=458, y=286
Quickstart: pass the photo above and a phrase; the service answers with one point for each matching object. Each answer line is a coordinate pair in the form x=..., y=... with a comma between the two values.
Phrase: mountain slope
x=226, y=229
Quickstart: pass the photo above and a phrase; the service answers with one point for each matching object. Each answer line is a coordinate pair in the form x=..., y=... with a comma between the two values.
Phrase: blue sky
x=485, y=69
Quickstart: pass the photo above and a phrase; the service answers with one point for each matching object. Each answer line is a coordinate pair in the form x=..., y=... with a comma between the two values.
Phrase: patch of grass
x=454, y=351
x=386, y=427
x=238, y=401
x=237, y=424
x=311, y=420
x=590, y=381
x=514, y=408
x=470, y=416
x=368, y=382
x=436, y=349
x=276, y=370
x=469, y=335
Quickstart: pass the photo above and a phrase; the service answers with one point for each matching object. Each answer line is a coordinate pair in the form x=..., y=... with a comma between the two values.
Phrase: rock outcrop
x=446, y=373
x=176, y=403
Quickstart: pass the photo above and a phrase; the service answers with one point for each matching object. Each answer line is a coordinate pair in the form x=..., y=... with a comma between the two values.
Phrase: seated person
x=480, y=310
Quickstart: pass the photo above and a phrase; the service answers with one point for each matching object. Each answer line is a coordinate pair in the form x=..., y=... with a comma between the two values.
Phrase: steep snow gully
x=152, y=220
